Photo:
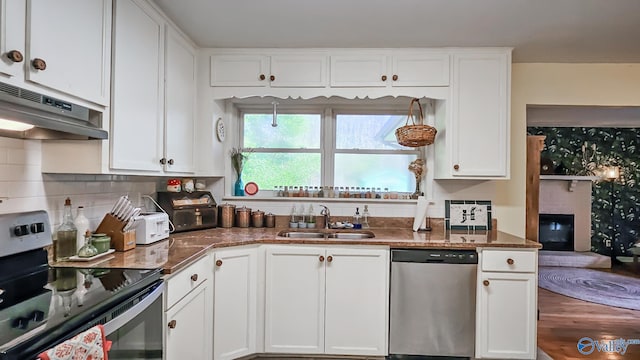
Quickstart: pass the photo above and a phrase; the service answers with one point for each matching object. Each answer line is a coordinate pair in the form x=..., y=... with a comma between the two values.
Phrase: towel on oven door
x=88, y=345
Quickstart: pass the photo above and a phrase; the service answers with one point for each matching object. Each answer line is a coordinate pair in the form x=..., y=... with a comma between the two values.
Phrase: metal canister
x=243, y=217
x=270, y=220
x=227, y=213
x=257, y=218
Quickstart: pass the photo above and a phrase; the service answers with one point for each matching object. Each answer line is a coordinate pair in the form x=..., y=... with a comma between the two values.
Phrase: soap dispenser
x=356, y=220
x=365, y=217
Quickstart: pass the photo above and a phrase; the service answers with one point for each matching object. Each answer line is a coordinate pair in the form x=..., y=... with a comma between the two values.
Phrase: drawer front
x=509, y=261
x=180, y=284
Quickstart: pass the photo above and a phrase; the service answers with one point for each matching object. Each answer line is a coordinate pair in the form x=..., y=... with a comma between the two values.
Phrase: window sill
x=320, y=200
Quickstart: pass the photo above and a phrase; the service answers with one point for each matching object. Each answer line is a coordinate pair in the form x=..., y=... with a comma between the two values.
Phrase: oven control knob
x=21, y=230
x=37, y=316
x=20, y=323
x=37, y=228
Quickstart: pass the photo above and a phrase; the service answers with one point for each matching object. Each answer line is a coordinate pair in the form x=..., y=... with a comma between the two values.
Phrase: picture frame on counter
x=467, y=214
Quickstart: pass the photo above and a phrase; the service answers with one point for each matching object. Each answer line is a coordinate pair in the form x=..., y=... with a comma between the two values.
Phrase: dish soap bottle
x=66, y=235
x=365, y=217
x=356, y=220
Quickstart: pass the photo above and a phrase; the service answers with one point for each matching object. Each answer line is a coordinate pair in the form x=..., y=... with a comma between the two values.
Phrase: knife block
x=120, y=240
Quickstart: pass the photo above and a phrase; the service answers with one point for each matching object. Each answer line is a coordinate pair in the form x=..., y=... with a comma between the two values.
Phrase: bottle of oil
x=66, y=235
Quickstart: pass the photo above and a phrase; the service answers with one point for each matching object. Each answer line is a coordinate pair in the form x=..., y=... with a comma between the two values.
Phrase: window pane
x=374, y=170
x=277, y=169
x=294, y=131
x=368, y=131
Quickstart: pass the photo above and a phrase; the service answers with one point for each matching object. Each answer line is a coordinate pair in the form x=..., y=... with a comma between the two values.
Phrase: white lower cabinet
x=235, y=303
x=326, y=300
x=506, y=305
x=188, y=312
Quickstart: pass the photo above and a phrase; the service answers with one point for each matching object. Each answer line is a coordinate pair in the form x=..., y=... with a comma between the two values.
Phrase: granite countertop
x=180, y=249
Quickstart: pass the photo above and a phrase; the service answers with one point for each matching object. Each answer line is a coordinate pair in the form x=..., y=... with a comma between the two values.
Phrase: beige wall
x=555, y=84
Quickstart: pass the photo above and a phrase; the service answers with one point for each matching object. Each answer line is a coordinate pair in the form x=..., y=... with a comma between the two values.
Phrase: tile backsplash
x=24, y=188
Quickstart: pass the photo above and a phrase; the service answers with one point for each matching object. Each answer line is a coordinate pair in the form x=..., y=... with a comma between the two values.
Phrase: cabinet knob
x=15, y=56
x=485, y=283
x=170, y=161
x=163, y=161
x=172, y=324
x=384, y=78
x=194, y=277
x=456, y=167
x=262, y=77
x=321, y=258
x=272, y=78
x=329, y=258
x=510, y=261
x=394, y=77
x=39, y=64
x=218, y=262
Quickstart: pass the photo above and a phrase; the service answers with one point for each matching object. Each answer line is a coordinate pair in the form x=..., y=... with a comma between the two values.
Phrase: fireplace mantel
x=573, y=179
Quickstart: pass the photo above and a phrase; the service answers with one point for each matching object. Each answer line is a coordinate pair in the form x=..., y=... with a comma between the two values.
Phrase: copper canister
x=227, y=213
x=257, y=218
x=270, y=220
x=243, y=217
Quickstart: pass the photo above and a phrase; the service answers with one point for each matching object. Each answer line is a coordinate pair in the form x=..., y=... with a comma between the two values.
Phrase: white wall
x=555, y=84
x=24, y=188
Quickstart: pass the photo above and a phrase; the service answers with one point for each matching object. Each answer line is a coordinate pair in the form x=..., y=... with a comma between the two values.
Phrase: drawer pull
x=39, y=64
x=272, y=78
x=262, y=77
x=172, y=324
x=218, y=263
x=384, y=77
x=321, y=258
x=456, y=167
x=510, y=261
x=170, y=161
x=485, y=283
x=163, y=161
x=395, y=78
x=15, y=56
x=329, y=258
x=194, y=277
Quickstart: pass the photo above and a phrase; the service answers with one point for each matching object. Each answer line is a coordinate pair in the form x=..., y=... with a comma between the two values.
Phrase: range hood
x=26, y=114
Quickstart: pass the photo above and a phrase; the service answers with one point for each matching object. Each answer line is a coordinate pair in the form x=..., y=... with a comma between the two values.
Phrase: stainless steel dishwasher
x=432, y=305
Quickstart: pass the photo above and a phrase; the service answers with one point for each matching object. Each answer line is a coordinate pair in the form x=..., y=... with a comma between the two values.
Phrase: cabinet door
x=359, y=71
x=506, y=318
x=137, y=102
x=239, y=70
x=73, y=37
x=294, y=300
x=235, y=305
x=188, y=333
x=12, y=35
x=357, y=306
x=180, y=82
x=480, y=115
x=420, y=70
x=298, y=71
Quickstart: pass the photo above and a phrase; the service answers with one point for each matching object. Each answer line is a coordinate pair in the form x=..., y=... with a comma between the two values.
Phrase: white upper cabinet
x=64, y=46
x=473, y=138
x=383, y=70
x=180, y=95
x=256, y=70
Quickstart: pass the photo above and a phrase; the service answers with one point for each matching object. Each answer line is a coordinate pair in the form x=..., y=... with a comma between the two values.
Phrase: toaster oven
x=189, y=211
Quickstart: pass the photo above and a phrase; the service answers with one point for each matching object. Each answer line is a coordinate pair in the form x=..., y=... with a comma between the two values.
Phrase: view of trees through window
x=361, y=151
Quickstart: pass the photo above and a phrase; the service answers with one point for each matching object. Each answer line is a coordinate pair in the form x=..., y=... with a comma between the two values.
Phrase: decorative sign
x=467, y=215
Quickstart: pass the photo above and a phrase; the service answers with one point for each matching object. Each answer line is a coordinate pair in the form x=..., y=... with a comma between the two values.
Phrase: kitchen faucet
x=327, y=216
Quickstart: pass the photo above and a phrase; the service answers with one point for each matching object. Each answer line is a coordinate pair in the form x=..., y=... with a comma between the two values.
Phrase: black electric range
x=40, y=306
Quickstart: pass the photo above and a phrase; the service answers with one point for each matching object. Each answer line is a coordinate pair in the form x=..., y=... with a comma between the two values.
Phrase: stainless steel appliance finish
x=52, y=118
x=41, y=306
x=432, y=304
x=189, y=211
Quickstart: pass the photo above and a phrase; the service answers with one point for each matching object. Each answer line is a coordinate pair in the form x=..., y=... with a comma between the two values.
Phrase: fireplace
x=556, y=231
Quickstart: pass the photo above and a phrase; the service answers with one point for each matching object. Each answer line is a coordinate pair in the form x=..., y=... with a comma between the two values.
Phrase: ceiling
x=538, y=30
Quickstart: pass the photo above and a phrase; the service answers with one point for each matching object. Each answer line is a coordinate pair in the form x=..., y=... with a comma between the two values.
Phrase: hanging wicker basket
x=417, y=134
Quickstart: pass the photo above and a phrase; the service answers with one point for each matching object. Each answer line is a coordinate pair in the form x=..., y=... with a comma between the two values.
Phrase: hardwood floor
x=564, y=320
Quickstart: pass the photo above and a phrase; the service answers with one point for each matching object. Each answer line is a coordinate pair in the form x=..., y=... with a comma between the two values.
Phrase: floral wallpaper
x=587, y=151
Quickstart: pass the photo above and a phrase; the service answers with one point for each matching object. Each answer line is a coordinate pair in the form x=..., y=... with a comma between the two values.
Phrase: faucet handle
x=325, y=210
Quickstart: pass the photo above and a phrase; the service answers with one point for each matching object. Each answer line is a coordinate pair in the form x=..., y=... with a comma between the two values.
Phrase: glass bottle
x=66, y=235
x=82, y=226
x=365, y=217
x=87, y=250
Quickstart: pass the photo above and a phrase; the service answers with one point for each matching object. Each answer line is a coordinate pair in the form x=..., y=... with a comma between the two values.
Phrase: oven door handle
x=136, y=310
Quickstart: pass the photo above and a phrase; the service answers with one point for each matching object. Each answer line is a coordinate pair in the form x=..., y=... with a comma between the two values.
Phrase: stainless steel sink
x=328, y=235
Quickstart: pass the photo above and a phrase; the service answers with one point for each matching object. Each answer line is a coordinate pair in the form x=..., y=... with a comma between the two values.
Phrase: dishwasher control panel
x=435, y=256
